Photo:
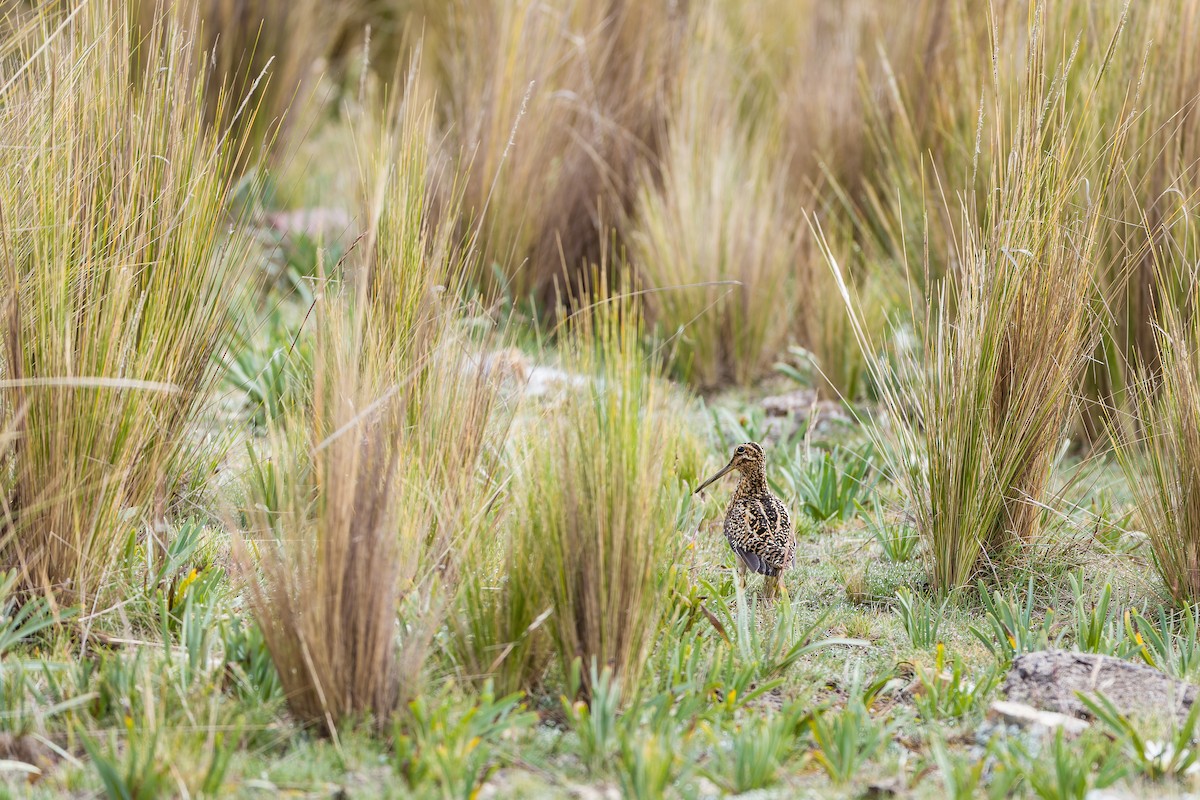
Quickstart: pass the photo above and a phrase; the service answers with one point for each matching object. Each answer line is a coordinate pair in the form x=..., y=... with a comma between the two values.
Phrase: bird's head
x=748, y=457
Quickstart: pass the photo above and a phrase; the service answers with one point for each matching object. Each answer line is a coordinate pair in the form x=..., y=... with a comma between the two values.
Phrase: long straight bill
x=721, y=474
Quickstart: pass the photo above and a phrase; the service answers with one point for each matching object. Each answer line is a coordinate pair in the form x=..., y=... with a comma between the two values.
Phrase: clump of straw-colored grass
x=274, y=50
x=552, y=108
x=603, y=492
x=384, y=480
x=982, y=406
x=119, y=274
x=1159, y=450
x=718, y=235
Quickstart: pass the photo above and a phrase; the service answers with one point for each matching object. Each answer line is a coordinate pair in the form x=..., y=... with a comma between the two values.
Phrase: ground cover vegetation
x=358, y=362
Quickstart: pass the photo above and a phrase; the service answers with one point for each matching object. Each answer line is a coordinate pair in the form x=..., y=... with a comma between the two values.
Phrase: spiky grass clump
x=553, y=107
x=762, y=129
x=1159, y=451
x=384, y=480
x=1152, y=217
x=589, y=528
x=823, y=69
x=326, y=529
x=980, y=413
x=504, y=611
x=923, y=109
x=718, y=235
x=603, y=493
x=119, y=275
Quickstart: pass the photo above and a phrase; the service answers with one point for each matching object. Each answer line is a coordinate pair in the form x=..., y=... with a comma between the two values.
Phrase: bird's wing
x=771, y=524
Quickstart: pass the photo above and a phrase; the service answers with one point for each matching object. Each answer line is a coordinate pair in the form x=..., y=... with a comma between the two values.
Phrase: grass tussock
x=326, y=534
x=589, y=530
x=603, y=492
x=823, y=70
x=553, y=108
x=377, y=489
x=1158, y=451
x=119, y=276
x=1155, y=204
x=273, y=51
x=502, y=618
x=713, y=225
x=981, y=409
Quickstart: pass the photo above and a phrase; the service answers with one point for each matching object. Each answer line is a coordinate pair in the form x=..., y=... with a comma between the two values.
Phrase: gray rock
x=1028, y=717
x=1049, y=679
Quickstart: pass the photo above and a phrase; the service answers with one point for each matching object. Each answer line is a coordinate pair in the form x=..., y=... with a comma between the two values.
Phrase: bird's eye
x=741, y=450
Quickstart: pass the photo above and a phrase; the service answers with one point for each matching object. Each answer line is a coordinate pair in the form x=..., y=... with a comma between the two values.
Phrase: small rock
x=1027, y=716
x=542, y=380
x=878, y=790
x=584, y=792
x=706, y=788
x=1049, y=680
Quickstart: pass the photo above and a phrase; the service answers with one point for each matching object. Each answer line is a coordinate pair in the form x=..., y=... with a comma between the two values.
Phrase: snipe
x=757, y=525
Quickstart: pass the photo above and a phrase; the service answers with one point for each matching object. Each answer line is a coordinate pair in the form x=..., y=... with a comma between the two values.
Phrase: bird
x=757, y=524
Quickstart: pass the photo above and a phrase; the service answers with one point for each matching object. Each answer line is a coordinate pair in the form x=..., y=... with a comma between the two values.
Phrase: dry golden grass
x=1161, y=462
x=502, y=616
x=274, y=50
x=605, y=488
x=762, y=129
x=552, y=108
x=717, y=233
x=825, y=69
x=1155, y=205
x=326, y=525
x=981, y=409
x=383, y=483
x=119, y=275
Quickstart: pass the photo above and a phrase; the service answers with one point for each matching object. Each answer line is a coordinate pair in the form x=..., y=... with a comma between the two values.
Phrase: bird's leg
x=770, y=587
x=741, y=573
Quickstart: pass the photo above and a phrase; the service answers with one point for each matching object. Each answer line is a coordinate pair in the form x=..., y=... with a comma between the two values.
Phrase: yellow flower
x=181, y=591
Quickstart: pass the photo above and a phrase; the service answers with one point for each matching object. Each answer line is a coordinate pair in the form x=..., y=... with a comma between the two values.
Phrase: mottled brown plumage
x=757, y=525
